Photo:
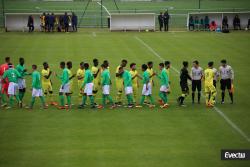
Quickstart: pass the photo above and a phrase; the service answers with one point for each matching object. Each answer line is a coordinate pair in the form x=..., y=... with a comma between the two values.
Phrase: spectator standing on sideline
x=74, y=22
x=51, y=22
x=191, y=23
x=161, y=20
x=206, y=21
x=236, y=23
x=224, y=23
x=66, y=22
x=30, y=23
x=166, y=20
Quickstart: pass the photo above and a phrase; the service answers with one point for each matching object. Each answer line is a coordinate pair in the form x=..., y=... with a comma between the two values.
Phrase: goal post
x=132, y=21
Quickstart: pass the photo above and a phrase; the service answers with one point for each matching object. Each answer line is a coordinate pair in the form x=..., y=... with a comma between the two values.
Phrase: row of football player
x=90, y=81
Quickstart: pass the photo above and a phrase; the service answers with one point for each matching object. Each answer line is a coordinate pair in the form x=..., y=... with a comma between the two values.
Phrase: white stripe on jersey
x=196, y=73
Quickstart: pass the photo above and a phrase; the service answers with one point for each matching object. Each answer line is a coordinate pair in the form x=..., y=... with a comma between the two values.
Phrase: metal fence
x=92, y=14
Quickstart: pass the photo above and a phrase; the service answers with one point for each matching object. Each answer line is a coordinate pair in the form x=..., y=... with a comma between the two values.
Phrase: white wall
x=136, y=21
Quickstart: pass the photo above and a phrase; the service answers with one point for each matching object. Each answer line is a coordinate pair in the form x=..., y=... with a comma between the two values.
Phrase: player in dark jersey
x=184, y=77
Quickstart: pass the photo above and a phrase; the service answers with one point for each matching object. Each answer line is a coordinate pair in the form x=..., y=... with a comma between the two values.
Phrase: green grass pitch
x=190, y=136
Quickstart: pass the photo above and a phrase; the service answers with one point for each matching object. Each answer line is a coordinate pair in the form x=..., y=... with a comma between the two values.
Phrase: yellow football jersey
x=209, y=76
x=45, y=73
x=94, y=70
x=80, y=74
x=135, y=80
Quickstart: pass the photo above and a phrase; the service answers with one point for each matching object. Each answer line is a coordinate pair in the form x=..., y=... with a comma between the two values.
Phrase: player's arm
x=73, y=76
x=96, y=74
x=188, y=76
x=232, y=74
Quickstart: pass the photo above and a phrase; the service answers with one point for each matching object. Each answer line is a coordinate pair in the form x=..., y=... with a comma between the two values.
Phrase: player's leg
x=119, y=88
x=152, y=102
x=68, y=97
x=135, y=91
x=199, y=91
x=223, y=88
x=213, y=95
x=229, y=88
x=194, y=84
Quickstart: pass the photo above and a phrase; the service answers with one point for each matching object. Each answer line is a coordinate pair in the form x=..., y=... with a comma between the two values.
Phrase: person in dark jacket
x=191, y=23
x=161, y=20
x=66, y=22
x=184, y=77
x=51, y=22
x=74, y=21
x=225, y=23
x=30, y=23
x=47, y=22
x=166, y=20
x=206, y=22
x=236, y=23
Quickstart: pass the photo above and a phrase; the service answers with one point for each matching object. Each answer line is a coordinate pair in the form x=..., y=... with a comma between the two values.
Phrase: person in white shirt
x=227, y=76
x=196, y=75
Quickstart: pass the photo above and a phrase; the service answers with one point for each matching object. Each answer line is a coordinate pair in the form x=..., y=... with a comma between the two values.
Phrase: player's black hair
x=210, y=64
x=44, y=63
x=196, y=62
x=223, y=61
x=69, y=63
x=132, y=64
x=104, y=65
x=106, y=62
x=95, y=60
x=82, y=63
x=144, y=67
x=185, y=63
x=10, y=65
x=124, y=61
x=62, y=64
x=86, y=65
x=150, y=63
x=34, y=66
x=167, y=63
x=161, y=64
x=7, y=59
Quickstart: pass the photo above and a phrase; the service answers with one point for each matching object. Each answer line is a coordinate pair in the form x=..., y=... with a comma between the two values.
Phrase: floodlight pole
x=116, y=6
x=86, y=7
x=101, y=15
x=3, y=12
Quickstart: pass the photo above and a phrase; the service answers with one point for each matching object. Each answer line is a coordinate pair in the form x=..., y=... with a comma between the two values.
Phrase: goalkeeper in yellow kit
x=46, y=83
x=210, y=90
x=96, y=71
x=119, y=83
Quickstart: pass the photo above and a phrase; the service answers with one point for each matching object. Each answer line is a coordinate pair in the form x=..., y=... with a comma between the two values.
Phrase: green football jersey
x=12, y=75
x=64, y=77
x=21, y=69
x=105, y=77
x=36, y=80
x=88, y=78
x=127, y=78
x=164, y=77
x=145, y=77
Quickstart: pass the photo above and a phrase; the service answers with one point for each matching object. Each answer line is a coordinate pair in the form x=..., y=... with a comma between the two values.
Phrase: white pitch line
x=93, y=34
x=154, y=52
x=222, y=114
x=104, y=8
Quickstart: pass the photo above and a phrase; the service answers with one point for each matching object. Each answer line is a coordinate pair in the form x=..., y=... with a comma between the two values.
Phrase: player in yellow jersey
x=46, y=83
x=151, y=75
x=42, y=20
x=80, y=77
x=135, y=83
x=119, y=83
x=210, y=90
x=96, y=71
